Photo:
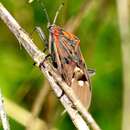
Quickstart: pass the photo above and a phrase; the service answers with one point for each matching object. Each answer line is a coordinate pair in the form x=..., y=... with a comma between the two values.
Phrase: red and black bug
x=67, y=58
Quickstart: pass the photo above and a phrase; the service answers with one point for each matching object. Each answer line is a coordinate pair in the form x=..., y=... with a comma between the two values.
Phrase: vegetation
x=98, y=31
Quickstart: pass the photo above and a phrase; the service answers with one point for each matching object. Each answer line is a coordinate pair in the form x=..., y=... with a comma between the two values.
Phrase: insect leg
x=46, y=58
x=47, y=16
x=61, y=94
x=91, y=72
x=42, y=36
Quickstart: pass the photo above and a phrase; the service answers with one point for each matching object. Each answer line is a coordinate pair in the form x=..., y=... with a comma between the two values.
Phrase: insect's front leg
x=44, y=39
x=42, y=36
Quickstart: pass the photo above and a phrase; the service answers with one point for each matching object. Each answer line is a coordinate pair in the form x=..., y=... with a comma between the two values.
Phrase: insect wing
x=74, y=68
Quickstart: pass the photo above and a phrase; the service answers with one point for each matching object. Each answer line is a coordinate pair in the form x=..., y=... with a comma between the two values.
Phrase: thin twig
x=123, y=19
x=37, y=105
x=55, y=80
x=3, y=115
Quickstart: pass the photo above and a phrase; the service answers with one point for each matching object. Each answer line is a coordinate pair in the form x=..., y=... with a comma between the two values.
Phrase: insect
x=67, y=58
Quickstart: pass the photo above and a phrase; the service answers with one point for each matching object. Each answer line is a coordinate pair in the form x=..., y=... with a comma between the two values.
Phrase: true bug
x=67, y=58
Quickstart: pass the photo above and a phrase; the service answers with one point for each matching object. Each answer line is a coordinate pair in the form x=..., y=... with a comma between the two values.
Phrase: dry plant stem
x=22, y=116
x=74, y=22
x=123, y=19
x=38, y=57
x=55, y=80
x=3, y=116
x=37, y=105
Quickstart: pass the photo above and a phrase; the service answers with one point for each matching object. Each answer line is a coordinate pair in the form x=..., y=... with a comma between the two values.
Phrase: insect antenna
x=47, y=16
x=57, y=13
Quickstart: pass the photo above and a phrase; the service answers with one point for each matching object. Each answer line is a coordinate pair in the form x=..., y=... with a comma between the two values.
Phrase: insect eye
x=49, y=27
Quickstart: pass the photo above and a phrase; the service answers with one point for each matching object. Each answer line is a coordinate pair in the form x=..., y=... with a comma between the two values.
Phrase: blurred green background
x=98, y=31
